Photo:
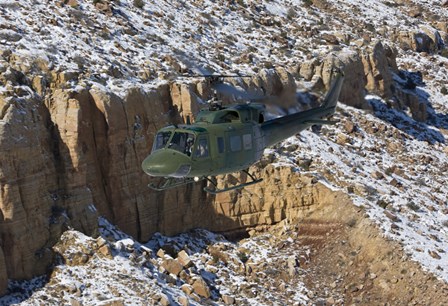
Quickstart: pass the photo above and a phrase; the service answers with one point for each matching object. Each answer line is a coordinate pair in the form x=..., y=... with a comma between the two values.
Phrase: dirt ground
x=351, y=263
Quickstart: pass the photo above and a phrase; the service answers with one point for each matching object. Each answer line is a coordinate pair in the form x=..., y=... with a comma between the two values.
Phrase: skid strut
x=239, y=186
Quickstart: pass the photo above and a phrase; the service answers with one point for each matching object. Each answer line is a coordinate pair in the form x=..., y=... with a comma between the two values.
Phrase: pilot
x=202, y=150
x=189, y=146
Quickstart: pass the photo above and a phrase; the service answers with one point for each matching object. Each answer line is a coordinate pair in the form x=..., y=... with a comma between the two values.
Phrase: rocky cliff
x=71, y=154
x=71, y=142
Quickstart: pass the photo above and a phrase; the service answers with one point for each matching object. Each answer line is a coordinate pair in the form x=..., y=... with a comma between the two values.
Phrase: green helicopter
x=227, y=139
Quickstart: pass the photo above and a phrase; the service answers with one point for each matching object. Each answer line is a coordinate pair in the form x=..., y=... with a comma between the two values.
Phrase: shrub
x=221, y=57
x=243, y=257
x=444, y=91
x=241, y=2
x=370, y=27
x=139, y=3
x=291, y=13
x=391, y=4
x=381, y=203
x=413, y=206
x=307, y=3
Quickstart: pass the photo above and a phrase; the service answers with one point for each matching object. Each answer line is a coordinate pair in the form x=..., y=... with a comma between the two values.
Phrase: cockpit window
x=202, y=149
x=182, y=142
x=161, y=140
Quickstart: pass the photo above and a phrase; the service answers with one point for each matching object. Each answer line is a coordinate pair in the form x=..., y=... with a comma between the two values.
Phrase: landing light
x=196, y=179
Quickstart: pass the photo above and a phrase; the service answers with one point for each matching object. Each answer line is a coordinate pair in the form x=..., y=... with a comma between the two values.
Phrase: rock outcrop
x=378, y=64
x=427, y=39
x=353, y=89
x=28, y=178
x=282, y=194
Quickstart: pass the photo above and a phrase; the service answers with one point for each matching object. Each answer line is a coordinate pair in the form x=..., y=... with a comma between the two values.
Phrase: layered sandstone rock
x=28, y=181
x=282, y=194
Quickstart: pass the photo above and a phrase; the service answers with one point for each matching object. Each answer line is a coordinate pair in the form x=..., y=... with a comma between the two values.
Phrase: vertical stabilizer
x=333, y=94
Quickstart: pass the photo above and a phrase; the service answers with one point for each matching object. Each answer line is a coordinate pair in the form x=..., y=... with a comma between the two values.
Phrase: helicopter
x=227, y=139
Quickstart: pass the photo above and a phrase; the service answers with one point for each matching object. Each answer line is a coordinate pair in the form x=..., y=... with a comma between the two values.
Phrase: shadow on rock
x=424, y=120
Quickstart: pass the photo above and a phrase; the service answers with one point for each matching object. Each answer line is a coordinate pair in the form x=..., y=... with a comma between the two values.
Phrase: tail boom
x=281, y=128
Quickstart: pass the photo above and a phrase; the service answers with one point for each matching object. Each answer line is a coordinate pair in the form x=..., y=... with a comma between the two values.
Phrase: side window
x=202, y=148
x=235, y=143
x=220, y=141
x=247, y=141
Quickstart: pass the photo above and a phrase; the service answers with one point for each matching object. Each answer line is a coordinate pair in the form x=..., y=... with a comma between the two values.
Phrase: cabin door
x=240, y=149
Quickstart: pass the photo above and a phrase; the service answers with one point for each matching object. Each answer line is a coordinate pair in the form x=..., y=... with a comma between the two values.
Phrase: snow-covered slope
x=400, y=181
x=394, y=167
x=121, y=271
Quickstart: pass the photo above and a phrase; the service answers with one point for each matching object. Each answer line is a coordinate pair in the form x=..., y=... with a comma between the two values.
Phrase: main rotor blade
x=230, y=90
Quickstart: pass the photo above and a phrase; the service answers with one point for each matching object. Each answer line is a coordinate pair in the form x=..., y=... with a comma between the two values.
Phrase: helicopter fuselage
x=227, y=140
x=221, y=141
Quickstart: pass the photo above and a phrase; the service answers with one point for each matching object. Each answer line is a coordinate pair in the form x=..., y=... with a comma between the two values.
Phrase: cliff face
x=69, y=155
x=28, y=181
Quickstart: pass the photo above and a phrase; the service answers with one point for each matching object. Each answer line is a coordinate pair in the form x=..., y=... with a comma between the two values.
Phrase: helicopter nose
x=166, y=164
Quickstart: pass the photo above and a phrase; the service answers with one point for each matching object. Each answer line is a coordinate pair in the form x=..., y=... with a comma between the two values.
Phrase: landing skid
x=171, y=183
x=216, y=190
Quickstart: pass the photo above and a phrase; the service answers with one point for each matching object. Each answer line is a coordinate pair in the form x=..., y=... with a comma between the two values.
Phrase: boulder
x=75, y=248
x=105, y=251
x=435, y=37
x=187, y=289
x=185, y=100
x=442, y=26
x=416, y=41
x=418, y=109
x=415, y=11
x=9, y=35
x=322, y=71
x=172, y=266
x=293, y=264
x=307, y=69
x=184, y=259
x=228, y=300
x=201, y=288
x=164, y=300
x=183, y=301
x=104, y=7
x=352, y=92
x=330, y=39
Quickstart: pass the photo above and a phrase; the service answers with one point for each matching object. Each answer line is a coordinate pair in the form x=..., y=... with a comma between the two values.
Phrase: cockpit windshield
x=161, y=140
x=179, y=141
x=182, y=142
